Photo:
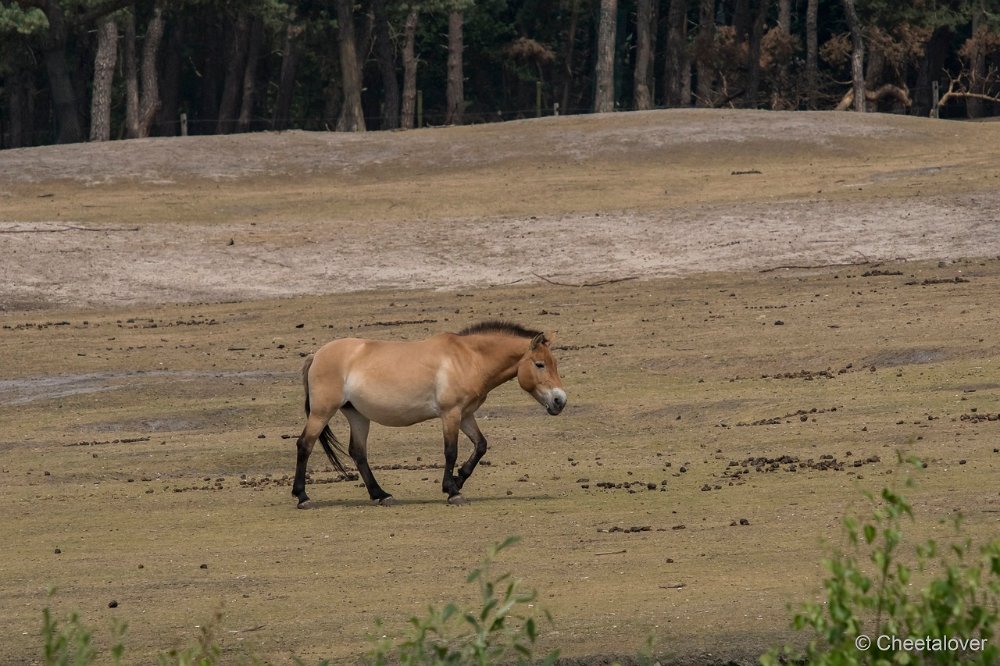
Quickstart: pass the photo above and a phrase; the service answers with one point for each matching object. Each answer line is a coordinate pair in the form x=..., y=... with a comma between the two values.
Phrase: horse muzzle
x=555, y=402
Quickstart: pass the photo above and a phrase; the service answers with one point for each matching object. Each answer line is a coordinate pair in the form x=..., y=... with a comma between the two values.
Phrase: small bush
x=870, y=599
x=68, y=643
x=499, y=631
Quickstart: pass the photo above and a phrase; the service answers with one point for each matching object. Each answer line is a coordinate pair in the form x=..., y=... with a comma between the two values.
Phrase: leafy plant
x=69, y=642
x=499, y=631
x=872, y=616
x=206, y=653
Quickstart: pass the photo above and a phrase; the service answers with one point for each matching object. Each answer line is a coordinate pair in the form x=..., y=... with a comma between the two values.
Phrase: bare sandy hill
x=570, y=199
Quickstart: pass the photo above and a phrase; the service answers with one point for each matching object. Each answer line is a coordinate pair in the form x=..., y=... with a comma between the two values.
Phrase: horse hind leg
x=304, y=447
x=358, y=450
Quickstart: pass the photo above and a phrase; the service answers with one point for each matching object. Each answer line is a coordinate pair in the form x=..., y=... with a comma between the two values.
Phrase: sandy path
x=170, y=263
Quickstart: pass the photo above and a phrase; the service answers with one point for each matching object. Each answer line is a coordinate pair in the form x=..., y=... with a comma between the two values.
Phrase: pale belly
x=391, y=406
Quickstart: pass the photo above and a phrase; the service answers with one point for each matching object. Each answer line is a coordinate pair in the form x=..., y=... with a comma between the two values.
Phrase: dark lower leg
x=374, y=490
x=303, y=449
x=450, y=484
x=470, y=465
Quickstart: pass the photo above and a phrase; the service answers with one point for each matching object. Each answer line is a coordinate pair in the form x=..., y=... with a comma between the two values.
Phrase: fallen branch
x=887, y=90
x=613, y=552
x=968, y=95
x=803, y=267
x=599, y=283
x=68, y=227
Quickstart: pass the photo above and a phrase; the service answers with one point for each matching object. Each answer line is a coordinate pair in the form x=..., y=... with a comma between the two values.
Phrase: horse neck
x=499, y=356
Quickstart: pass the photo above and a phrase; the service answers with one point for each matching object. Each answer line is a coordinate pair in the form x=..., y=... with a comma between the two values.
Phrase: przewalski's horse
x=447, y=376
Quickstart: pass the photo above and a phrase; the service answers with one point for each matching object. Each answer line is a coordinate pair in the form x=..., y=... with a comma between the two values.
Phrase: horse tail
x=331, y=445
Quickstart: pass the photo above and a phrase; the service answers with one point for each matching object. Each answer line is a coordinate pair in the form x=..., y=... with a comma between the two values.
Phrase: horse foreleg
x=471, y=430
x=450, y=484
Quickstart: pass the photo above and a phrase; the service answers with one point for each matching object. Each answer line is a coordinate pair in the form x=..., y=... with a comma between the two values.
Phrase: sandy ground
x=633, y=195
x=156, y=299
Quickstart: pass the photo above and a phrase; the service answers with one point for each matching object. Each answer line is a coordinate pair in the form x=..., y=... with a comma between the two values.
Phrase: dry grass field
x=755, y=312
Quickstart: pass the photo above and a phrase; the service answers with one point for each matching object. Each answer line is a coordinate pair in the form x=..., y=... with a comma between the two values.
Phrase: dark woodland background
x=91, y=70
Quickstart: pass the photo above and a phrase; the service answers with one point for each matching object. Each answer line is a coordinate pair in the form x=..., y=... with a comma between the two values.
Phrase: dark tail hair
x=327, y=439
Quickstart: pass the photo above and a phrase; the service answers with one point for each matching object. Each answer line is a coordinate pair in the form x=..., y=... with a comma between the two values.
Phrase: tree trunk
x=753, y=53
x=69, y=128
x=455, y=93
x=286, y=80
x=779, y=97
x=785, y=15
x=857, y=55
x=141, y=106
x=676, y=55
x=705, y=49
x=645, y=26
x=976, y=107
x=812, y=53
x=568, y=65
x=874, y=69
x=408, y=105
x=250, y=75
x=604, y=79
x=104, y=74
x=131, y=78
x=387, y=67
x=150, y=102
x=235, y=61
x=352, y=118
x=742, y=21
x=930, y=68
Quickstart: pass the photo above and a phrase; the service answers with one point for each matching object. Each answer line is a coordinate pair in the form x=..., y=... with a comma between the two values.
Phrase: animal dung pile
x=736, y=470
x=630, y=487
x=976, y=417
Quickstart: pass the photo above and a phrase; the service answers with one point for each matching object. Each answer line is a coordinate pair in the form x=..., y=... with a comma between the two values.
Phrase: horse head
x=538, y=374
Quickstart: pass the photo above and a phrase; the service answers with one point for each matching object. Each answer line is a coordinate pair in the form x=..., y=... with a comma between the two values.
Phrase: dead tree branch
x=599, y=283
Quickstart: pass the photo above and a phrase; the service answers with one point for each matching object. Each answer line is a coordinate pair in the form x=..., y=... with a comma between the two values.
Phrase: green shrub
x=870, y=599
x=499, y=631
x=68, y=643
x=206, y=653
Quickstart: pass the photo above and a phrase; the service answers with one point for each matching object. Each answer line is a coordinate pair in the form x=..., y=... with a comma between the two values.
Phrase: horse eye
x=539, y=365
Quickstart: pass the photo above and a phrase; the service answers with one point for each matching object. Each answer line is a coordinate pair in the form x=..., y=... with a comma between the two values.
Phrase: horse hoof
x=307, y=504
x=387, y=501
x=457, y=500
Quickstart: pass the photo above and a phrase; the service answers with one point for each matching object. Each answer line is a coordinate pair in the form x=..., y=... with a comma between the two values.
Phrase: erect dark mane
x=501, y=327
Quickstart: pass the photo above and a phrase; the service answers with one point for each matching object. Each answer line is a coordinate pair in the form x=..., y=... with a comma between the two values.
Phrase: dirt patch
x=897, y=357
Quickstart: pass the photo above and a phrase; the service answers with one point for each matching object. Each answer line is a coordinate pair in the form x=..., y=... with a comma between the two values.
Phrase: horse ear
x=537, y=340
